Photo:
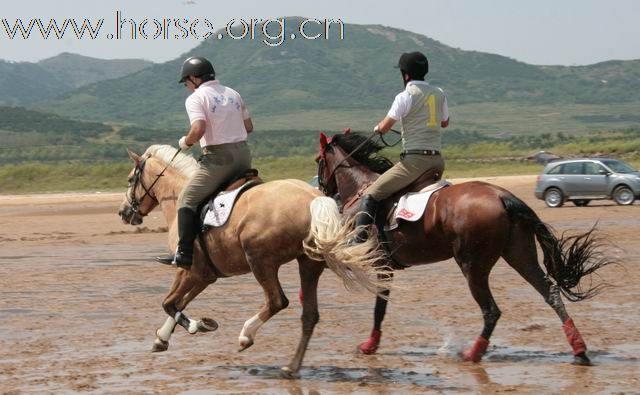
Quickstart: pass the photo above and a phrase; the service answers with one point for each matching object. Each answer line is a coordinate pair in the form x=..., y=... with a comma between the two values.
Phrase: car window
x=555, y=170
x=618, y=166
x=592, y=168
x=572, y=168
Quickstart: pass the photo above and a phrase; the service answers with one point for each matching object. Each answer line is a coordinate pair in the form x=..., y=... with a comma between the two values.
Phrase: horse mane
x=184, y=164
x=367, y=154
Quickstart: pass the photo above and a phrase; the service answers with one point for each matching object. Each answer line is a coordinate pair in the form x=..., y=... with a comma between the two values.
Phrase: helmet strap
x=194, y=83
x=406, y=78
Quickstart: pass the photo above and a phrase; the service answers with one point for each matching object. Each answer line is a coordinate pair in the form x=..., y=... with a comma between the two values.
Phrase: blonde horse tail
x=358, y=266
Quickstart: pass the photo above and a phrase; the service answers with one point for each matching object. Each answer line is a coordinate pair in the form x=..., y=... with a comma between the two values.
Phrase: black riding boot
x=366, y=216
x=187, y=231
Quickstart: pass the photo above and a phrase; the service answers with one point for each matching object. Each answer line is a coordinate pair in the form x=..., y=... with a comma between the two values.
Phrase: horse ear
x=323, y=141
x=134, y=157
x=346, y=131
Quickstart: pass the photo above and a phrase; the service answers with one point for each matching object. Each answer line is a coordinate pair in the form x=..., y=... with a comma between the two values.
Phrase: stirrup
x=183, y=259
x=165, y=260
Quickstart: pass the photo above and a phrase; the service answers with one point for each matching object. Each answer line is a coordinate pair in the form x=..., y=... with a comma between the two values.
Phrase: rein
x=394, y=144
x=135, y=203
x=321, y=163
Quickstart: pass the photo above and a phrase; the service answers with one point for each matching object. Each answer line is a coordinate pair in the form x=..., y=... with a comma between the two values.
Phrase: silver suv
x=583, y=180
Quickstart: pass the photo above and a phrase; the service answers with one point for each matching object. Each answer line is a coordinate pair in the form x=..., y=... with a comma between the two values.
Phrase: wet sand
x=80, y=301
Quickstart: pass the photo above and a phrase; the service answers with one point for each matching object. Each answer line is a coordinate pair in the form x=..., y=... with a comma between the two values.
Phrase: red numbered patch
x=404, y=213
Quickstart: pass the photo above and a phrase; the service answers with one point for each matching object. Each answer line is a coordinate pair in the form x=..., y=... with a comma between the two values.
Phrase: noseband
x=137, y=179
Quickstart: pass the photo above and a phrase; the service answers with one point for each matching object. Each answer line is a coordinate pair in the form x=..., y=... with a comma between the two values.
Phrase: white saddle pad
x=220, y=208
x=411, y=206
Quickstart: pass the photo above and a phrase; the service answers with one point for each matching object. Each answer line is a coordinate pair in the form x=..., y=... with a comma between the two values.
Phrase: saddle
x=217, y=208
x=388, y=214
x=426, y=179
x=235, y=186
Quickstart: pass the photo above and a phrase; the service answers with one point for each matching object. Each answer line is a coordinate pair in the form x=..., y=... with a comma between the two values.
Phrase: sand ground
x=80, y=301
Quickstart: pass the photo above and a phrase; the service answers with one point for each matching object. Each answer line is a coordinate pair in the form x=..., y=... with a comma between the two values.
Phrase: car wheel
x=623, y=196
x=553, y=197
x=581, y=202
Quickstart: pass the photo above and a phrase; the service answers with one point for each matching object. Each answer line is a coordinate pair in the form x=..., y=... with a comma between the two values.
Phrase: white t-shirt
x=402, y=104
x=223, y=110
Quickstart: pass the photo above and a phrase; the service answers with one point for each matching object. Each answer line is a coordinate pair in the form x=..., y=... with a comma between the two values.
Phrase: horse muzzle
x=129, y=216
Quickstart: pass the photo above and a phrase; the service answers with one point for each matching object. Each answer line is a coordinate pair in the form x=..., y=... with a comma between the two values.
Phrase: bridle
x=137, y=180
x=322, y=159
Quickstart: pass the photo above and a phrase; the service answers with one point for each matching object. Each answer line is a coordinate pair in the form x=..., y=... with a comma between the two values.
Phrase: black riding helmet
x=415, y=64
x=197, y=66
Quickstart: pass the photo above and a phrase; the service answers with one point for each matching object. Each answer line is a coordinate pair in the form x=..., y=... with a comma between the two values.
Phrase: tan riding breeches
x=404, y=173
x=220, y=164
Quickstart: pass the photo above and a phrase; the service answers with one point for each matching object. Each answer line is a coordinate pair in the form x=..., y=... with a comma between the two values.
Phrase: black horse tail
x=567, y=259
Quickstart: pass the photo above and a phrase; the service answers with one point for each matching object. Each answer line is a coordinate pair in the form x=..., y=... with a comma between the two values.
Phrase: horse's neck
x=350, y=180
x=167, y=190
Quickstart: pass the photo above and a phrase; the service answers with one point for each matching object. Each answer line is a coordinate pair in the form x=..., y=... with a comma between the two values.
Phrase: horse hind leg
x=521, y=255
x=275, y=301
x=310, y=272
x=478, y=281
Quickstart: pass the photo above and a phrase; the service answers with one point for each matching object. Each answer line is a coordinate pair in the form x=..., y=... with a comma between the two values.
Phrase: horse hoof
x=245, y=343
x=207, y=325
x=287, y=373
x=159, y=346
x=469, y=356
x=367, y=348
x=581, y=359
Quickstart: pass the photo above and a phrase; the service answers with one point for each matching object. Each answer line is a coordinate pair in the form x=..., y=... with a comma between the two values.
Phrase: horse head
x=139, y=199
x=347, y=160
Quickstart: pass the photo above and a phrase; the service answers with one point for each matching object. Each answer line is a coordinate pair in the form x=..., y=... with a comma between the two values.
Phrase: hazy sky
x=567, y=32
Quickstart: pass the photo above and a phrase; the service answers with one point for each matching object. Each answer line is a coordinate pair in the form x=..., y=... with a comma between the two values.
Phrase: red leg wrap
x=300, y=296
x=574, y=337
x=372, y=343
x=477, y=351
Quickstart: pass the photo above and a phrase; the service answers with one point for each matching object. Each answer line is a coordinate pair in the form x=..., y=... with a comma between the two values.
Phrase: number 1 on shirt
x=431, y=104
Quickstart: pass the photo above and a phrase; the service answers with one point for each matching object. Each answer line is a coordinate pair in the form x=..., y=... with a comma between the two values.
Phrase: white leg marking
x=164, y=333
x=193, y=326
x=249, y=330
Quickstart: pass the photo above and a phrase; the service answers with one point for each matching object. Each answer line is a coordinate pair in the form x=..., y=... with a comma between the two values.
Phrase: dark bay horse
x=475, y=223
x=271, y=224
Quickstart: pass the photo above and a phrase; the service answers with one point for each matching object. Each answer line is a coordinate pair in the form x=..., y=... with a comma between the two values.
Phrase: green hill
x=302, y=82
x=25, y=83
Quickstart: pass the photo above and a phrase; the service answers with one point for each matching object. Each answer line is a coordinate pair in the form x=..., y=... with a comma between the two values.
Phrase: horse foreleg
x=373, y=342
x=184, y=289
x=310, y=272
x=275, y=301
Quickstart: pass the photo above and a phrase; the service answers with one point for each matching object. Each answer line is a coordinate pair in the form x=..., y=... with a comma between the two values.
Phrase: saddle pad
x=221, y=205
x=411, y=206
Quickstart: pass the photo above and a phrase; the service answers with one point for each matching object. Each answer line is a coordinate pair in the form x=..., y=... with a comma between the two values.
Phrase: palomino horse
x=475, y=223
x=267, y=228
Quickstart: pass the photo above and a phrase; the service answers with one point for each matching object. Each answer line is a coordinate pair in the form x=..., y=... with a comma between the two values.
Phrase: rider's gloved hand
x=182, y=143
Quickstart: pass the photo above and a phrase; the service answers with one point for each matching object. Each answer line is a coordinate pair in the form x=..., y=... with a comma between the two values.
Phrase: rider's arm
x=444, y=115
x=248, y=125
x=385, y=125
x=196, y=132
x=398, y=110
